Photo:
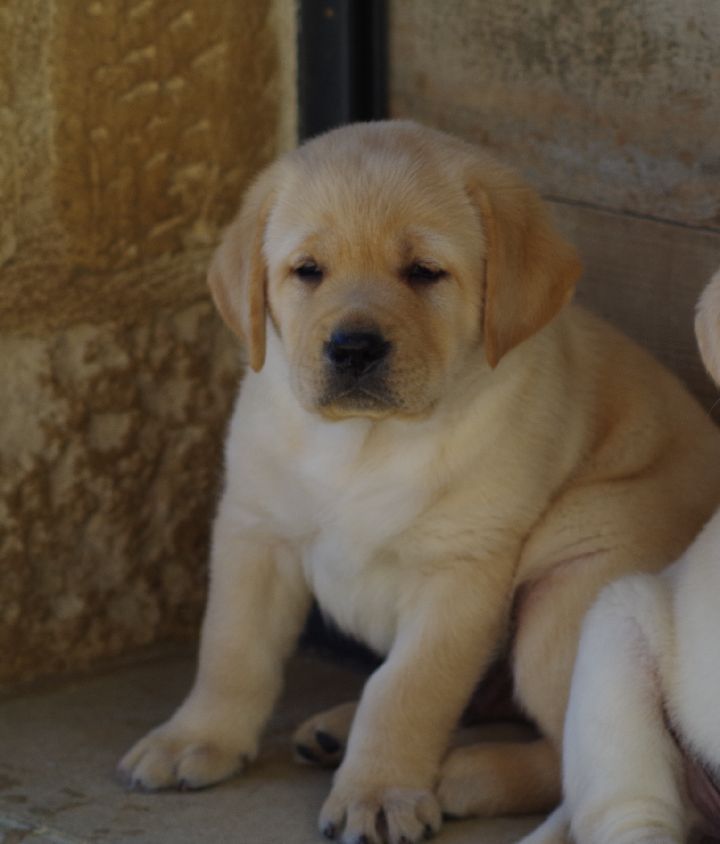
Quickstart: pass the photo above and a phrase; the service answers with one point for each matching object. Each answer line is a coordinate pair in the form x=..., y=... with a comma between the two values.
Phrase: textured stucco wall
x=613, y=102
x=109, y=466
x=129, y=129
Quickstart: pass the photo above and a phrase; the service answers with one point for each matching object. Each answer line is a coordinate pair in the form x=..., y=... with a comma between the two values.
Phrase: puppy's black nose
x=356, y=352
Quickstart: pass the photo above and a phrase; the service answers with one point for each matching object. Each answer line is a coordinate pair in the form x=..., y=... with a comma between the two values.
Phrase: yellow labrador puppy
x=440, y=450
x=642, y=737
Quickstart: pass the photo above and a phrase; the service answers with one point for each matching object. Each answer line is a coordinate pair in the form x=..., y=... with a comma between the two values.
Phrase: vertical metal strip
x=342, y=63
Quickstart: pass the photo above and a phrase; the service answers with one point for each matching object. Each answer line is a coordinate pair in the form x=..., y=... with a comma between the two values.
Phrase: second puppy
x=642, y=736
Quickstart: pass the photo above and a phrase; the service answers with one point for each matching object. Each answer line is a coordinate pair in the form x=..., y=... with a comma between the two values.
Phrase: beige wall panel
x=612, y=102
x=645, y=276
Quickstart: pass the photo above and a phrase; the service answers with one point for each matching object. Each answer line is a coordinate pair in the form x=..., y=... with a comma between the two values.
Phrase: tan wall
x=128, y=133
x=611, y=108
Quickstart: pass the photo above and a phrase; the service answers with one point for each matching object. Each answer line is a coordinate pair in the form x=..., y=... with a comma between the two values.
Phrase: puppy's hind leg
x=321, y=740
x=500, y=778
x=622, y=768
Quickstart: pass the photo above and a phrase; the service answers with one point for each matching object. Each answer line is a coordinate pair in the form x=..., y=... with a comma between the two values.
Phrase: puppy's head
x=385, y=255
x=707, y=326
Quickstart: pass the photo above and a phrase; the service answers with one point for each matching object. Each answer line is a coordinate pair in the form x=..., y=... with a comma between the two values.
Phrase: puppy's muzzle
x=355, y=354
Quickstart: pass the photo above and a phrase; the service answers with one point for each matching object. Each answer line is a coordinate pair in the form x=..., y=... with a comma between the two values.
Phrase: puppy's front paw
x=375, y=815
x=173, y=757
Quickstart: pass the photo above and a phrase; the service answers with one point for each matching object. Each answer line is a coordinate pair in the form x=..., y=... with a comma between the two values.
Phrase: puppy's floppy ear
x=238, y=273
x=530, y=270
x=707, y=326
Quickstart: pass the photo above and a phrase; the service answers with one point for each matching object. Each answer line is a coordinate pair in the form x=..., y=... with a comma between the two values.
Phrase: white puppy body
x=642, y=735
x=694, y=673
x=643, y=707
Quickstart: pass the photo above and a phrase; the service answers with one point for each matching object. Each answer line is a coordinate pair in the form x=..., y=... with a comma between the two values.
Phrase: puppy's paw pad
x=303, y=754
x=321, y=739
x=328, y=743
x=319, y=748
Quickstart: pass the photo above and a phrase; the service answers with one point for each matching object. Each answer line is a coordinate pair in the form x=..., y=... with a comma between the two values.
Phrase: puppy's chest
x=359, y=589
x=352, y=555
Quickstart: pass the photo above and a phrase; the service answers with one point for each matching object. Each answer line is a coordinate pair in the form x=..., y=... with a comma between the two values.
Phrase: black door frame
x=342, y=63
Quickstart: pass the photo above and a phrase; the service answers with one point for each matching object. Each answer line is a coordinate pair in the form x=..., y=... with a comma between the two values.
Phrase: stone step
x=59, y=747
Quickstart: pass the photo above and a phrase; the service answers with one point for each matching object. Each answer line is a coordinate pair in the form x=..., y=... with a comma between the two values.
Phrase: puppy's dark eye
x=309, y=271
x=424, y=274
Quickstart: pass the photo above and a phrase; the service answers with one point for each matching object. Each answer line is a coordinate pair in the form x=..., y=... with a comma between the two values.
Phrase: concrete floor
x=59, y=747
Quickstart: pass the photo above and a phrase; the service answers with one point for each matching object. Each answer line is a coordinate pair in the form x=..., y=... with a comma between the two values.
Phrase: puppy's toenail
x=327, y=742
x=329, y=831
x=429, y=831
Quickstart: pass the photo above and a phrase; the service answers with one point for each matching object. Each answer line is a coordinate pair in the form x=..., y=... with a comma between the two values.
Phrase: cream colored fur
x=527, y=455
x=648, y=658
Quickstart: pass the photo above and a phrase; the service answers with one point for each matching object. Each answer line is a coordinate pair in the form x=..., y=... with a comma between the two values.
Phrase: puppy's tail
x=553, y=830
